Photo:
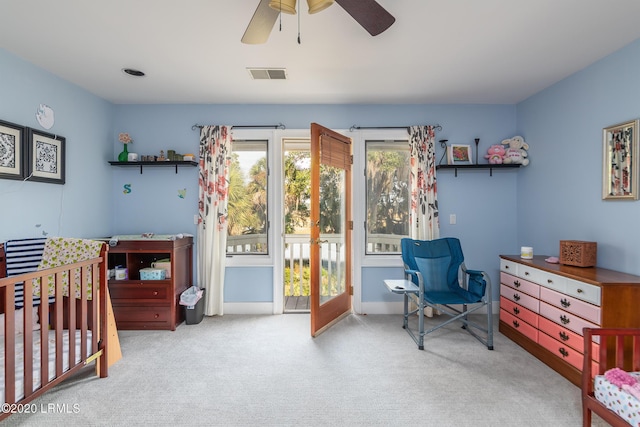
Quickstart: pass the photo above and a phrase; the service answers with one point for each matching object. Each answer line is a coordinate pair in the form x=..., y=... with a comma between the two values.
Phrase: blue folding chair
x=437, y=268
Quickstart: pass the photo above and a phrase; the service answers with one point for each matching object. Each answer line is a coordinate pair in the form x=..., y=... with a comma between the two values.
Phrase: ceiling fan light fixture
x=284, y=6
x=318, y=5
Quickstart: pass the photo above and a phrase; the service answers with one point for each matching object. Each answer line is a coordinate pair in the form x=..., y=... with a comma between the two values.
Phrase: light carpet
x=267, y=370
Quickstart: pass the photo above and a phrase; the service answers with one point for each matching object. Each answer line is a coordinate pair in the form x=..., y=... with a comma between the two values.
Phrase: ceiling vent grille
x=268, y=73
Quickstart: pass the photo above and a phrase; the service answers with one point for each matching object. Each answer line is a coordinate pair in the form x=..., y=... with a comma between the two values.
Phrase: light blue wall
x=560, y=193
x=483, y=204
x=81, y=207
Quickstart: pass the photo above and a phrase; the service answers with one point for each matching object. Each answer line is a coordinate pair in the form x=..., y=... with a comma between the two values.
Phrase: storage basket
x=152, y=274
x=164, y=265
x=578, y=253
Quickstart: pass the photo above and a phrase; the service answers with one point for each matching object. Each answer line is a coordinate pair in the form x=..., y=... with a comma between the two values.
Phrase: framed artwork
x=459, y=154
x=12, y=150
x=620, y=161
x=46, y=157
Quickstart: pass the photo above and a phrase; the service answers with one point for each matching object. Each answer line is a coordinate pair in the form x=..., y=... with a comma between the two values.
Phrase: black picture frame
x=13, y=152
x=46, y=157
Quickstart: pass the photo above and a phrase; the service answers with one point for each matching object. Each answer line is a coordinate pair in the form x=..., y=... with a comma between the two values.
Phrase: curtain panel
x=424, y=198
x=213, y=183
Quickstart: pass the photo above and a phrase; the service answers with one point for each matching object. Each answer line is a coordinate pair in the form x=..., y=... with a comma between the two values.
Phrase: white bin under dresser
x=543, y=308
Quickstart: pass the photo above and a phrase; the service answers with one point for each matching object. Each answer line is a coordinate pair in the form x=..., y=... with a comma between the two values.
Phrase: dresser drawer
x=584, y=291
x=509, y=267
x=520, y=312
x=136, y=317
x=521, y=285
x=520, y=298
x=561, y=350
x=520, y=325
x=140, y=291
x=585, y=310
x=565, y=336
x=564, y=318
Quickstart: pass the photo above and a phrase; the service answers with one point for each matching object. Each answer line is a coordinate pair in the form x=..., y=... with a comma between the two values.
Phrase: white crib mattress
x=36, y=359
x=618, y=400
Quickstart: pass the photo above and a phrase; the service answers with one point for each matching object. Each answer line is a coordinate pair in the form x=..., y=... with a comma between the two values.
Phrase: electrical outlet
x=452, y=219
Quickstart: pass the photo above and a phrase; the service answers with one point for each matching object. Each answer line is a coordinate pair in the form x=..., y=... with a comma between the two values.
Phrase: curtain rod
x=278, y=126
x=354, y=127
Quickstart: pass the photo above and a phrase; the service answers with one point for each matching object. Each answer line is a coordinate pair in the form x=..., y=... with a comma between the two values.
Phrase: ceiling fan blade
x=373, y=17
x=261, y=24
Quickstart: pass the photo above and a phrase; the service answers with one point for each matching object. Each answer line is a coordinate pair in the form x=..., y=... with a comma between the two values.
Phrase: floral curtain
x=215, y=149
x=424, y=198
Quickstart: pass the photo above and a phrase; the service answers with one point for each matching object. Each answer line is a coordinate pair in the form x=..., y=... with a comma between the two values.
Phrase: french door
x=330, y=228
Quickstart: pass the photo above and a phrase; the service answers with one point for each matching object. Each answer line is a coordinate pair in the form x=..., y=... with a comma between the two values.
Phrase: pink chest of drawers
x=544, y=307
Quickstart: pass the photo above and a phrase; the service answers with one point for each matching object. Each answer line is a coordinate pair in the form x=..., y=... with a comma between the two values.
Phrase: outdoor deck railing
x=297, y=248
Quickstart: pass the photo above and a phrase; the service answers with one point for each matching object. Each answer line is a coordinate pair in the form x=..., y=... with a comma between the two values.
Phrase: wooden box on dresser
x=150, y=304
x=543, y=308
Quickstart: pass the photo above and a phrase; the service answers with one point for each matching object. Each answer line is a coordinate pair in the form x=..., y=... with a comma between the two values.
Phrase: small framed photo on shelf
x=459, y=154
x=12, y=150
x=46, y=161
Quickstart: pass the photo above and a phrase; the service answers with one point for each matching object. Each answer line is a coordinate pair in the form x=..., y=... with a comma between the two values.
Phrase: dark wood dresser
x=150, y=304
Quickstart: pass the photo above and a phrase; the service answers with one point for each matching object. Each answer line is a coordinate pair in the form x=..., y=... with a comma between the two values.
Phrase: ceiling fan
x=368, y=13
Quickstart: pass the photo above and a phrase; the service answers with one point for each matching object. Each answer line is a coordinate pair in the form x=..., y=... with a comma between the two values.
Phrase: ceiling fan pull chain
x=298, y=25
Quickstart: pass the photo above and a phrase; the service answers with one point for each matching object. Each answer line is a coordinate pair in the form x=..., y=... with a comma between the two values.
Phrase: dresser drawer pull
x=516, y=284
x=580, y=291
x=516, y=310
x=563, y=352
x=516, y=297
x=565, y=303
x=506, y=267
x=565, y=320
x=155, y=293
x=155, y=316
x=516, y=324
x=563, y=336
x=526, y=273
x=549, y=281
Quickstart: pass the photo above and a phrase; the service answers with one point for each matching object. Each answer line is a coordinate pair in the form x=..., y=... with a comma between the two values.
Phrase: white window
x=388, y=195
x=248, y=219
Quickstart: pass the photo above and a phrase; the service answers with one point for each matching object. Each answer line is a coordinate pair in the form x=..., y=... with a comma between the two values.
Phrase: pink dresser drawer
x=565, y=336
x=583, y=309
x=564, y=318
x=561, y=350
x=523, y=327
x=520, y=312
x=520, y=298
x=521, y=285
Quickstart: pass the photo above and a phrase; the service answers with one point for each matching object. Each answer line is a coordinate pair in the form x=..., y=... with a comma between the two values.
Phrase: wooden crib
x=619, y=347
x=45, y=344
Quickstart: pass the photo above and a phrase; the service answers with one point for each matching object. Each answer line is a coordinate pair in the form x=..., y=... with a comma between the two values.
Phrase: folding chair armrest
x=418, y=276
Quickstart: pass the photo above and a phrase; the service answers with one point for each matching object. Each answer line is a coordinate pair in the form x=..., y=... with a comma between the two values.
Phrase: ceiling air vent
x=268, y=73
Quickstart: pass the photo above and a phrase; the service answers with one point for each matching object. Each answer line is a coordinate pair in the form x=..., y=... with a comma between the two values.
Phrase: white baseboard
x=248, y=308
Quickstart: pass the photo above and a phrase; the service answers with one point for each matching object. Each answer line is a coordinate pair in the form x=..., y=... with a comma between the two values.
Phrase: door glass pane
x=332, y=237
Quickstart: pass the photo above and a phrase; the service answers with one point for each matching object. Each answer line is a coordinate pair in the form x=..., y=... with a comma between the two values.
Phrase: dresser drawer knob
x=516, y=297
x=580, y=291
x=155, y=293
x=506, y=267
x=565, y=303
x=516, y=310
x=516, y=283
x=516, y=324
x=526, y=273
x=155, y=316
x=565, y=320
x=563, y=352
x=549, y=281
x=563, y=336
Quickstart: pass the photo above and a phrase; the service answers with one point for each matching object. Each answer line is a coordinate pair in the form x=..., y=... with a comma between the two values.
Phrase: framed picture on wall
x=459, y=154
x=620, y=161
x=12, y=150
x=46, y=157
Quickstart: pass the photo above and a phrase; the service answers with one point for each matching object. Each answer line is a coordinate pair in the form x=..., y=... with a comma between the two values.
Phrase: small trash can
x=193, y=313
